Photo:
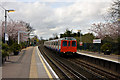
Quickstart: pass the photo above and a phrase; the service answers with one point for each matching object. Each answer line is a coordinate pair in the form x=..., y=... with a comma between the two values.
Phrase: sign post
x=6, y=37
x=98, y=41
x=81, y=43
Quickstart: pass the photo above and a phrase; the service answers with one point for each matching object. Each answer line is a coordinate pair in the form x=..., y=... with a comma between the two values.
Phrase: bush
x=106, y=48
x=16, y=48
x=22, y=45
x=5, y=50
x=4, y=53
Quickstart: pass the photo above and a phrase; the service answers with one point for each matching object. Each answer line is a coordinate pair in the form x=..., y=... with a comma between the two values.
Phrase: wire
x=10, y=18
x=7, y=14
x=2, y=7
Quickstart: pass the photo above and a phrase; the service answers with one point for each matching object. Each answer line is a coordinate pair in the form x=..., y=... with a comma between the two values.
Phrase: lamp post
x=5, y=35
x=119, y=14
x=80, y=38
x=80, y=35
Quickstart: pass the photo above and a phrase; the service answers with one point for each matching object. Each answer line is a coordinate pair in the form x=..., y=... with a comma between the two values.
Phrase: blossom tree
x=13, y=27
x=111, y=28
x=106, y=29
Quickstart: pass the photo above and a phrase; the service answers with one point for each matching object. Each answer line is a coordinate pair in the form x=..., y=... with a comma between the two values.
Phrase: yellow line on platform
x=33, y=67
x=49, y=75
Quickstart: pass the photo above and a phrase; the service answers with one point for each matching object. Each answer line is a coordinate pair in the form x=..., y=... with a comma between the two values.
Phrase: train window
x=64, y=43
x=56, y=43
x=73, y=43
x=59, y=43
x=68, y=43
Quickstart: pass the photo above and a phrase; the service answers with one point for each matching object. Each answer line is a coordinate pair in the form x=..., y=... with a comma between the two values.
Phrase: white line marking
x=47, y=64
x=99, y=57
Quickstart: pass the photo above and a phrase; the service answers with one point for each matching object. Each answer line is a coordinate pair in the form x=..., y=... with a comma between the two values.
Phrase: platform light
x=118, y=19
x=10, y=10
x=6, y=23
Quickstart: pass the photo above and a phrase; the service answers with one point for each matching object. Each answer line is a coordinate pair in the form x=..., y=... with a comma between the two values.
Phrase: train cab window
x=64, y=43
x=73, y=43
x=68, y=43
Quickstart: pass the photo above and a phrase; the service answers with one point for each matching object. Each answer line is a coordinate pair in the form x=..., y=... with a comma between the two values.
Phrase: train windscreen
x=64, y=43
x=73, y=43
x=68, y=43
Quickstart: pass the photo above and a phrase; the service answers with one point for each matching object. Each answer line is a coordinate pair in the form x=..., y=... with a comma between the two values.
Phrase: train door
x=74, y=46
x=59, y=45
x=69, y=46
x=64, y=46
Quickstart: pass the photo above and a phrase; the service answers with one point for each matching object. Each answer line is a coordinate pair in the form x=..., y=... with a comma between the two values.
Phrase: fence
x=95, y=47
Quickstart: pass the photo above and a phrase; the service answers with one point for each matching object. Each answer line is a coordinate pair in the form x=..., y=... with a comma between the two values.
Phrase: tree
x=78, y=34
x=74, y=34
x=41, y=38
x=13, y=28
x=55, y=36
x=61, y=35
x=35, y=40
x=115, y=10
x=88, y=38
x=68, y=33
x=51, y=38
x=106, y=29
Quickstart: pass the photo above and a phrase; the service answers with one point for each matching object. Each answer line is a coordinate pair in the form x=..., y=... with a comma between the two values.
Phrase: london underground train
x=62, y=45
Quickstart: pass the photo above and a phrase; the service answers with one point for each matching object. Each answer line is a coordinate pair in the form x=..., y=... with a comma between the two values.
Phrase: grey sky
x=54, y=17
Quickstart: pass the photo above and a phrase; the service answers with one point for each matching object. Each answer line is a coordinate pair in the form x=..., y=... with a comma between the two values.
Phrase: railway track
x=94, y=70
x=53, y=63
x=74, y=68
x=68, y=72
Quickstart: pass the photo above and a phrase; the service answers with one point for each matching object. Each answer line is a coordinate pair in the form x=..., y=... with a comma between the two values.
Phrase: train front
x=69, y=45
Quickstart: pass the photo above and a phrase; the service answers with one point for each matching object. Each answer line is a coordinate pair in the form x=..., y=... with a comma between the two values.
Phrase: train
x=66, y=45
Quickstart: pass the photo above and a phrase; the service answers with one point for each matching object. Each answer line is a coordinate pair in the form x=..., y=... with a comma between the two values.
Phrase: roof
x=65, y=38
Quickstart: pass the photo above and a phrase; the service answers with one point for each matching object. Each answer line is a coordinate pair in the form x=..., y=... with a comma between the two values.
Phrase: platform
x=39, y=66
x=112, y=58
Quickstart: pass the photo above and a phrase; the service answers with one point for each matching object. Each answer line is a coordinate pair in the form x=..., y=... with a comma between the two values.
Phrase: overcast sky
x=55, y=16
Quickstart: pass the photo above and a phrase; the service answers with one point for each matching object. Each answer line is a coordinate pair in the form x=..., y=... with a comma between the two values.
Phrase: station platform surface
x=28, y=64
x=39, y=66
x=111, y=57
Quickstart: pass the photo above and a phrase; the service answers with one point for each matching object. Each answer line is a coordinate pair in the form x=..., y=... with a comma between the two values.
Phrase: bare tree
x=110, y=29
x=55, y=36
x=115, y=10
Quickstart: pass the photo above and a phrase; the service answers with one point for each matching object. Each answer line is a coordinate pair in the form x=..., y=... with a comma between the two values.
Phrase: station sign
x=6, y=37
x=81, y=43
x=96, y=40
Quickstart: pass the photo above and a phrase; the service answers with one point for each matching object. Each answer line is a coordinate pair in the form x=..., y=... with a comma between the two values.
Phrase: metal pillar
x=5, y=24
x=80, y=34
x=18, y=37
